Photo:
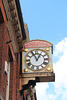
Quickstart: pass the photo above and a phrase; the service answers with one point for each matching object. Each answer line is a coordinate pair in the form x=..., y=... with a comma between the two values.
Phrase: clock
x=36, y=59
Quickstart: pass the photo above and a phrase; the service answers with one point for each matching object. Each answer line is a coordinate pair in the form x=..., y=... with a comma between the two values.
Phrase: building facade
x=13, y=33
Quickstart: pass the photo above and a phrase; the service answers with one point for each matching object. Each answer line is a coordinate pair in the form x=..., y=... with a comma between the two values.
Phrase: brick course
x=14, y=67
x=14, y=64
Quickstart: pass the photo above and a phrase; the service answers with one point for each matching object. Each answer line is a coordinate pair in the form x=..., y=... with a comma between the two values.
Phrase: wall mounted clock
x=36, y=59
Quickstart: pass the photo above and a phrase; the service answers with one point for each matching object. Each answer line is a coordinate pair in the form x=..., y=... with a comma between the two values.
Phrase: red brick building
x=12, y=37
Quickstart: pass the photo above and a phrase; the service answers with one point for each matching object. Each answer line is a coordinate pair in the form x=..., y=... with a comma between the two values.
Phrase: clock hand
x=34, y=55
x=38, y=56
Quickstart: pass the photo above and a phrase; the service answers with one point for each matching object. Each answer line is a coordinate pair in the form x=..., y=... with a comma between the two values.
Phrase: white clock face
x=36, y=59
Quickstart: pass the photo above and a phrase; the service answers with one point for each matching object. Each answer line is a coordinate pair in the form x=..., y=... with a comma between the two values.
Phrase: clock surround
x=45, y=74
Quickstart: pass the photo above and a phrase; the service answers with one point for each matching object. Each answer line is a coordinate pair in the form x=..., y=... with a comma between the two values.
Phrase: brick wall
x=14, y=65
x=7, y=53
x=3, y=56
x=1, y=37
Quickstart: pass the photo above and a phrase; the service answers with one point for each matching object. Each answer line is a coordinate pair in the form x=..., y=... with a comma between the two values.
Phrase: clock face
x=36, y=59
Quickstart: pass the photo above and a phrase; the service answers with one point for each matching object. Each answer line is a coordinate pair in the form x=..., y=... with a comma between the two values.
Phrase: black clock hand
x=34, y=55
x=38, y=56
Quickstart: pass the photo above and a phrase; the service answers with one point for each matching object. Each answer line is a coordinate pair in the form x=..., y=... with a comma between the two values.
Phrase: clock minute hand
x=38, y=56
x=34, y=55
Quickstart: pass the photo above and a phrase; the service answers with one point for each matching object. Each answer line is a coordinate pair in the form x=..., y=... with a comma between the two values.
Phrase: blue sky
x=47, y=20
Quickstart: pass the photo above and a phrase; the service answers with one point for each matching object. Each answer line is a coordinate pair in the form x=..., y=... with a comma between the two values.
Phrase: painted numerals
x=36, y=59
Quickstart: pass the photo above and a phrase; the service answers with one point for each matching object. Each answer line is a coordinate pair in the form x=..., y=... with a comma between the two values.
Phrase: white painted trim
x=8, y=81
x=6, y=64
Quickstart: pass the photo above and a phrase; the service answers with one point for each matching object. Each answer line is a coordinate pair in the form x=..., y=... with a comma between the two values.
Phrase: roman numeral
x=37, y=67
x=41, y=66
x=40, y=53
x=29, y=64
x=28, y=56
x=27, y=59
x=36, y=52
x=45, y=63
x=32, y=67
x=45, y=55
x=32, y=53
x=45, y=58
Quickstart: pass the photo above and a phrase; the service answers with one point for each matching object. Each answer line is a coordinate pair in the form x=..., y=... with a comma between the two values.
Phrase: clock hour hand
x=36, y=58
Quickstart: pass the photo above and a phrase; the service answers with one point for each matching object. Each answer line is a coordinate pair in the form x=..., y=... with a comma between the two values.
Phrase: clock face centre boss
x=36, y=59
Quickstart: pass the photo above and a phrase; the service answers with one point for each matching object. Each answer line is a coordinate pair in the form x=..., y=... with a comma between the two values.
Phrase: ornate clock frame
x=46, y=74
x=41, y=64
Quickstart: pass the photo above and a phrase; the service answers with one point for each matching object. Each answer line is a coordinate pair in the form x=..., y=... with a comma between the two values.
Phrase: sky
x=47, y=20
